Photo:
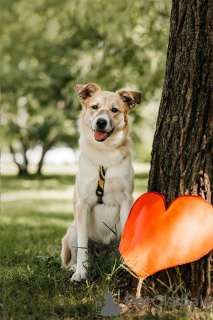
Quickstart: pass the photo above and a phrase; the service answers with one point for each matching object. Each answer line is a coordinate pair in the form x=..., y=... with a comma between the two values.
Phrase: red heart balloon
x=155, y=238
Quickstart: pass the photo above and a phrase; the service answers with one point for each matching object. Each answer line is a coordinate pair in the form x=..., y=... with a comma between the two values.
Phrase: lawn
x=36, y=211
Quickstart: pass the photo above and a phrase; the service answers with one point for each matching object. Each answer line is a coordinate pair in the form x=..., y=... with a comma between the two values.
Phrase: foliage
x=48, y=47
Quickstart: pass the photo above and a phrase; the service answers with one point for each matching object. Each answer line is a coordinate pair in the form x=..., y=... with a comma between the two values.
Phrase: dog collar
x=100, y=189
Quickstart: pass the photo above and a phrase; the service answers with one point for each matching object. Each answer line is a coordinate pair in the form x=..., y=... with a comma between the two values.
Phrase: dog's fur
x=113, y=153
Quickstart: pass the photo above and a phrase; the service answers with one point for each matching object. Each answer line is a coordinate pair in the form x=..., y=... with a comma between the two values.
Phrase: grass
x=35, y=214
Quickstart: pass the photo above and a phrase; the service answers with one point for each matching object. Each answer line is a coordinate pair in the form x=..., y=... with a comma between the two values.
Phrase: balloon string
x=138, y=292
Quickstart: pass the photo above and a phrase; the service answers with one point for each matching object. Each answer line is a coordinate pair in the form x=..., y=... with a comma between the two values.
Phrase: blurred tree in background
x=50, y=46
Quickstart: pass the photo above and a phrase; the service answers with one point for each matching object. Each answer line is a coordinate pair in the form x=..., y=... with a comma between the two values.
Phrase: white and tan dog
x=104, y=149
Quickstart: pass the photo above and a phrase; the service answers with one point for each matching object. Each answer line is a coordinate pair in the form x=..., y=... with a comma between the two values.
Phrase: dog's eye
x=114, y=110
x=95, y=107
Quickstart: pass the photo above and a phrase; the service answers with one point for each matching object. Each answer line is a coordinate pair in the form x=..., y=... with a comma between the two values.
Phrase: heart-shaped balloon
x=155, y=238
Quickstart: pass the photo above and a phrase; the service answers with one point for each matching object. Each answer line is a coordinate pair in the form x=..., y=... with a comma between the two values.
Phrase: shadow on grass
x=141, y=176
x=36, y=182
x=61, y=177
x=40, y=217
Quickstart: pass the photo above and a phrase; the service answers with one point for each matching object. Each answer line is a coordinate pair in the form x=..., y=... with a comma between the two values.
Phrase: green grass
x=35, y=214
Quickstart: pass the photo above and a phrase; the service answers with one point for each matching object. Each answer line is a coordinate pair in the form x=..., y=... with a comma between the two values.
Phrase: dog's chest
x=114, y=188
x=117, y=183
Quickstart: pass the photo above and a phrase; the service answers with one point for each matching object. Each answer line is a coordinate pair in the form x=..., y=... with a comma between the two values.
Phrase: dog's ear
x=86, y=90
x=130, y=98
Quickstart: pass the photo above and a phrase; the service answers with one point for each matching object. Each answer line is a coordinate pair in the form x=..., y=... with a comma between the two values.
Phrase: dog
x=105, y=179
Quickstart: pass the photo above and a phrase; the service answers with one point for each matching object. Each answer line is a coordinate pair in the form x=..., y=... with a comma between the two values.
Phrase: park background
x=47, y=48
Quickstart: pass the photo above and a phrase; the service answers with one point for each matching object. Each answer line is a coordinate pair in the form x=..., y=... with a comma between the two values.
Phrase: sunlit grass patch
x=38, y=212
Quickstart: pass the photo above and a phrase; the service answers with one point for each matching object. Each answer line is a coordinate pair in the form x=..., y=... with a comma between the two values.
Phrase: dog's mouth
x=100, y=135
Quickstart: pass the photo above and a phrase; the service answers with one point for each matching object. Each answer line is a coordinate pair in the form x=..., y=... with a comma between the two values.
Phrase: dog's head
x=106, y=112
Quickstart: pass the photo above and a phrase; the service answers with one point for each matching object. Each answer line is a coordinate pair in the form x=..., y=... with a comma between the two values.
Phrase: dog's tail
x=65, y=251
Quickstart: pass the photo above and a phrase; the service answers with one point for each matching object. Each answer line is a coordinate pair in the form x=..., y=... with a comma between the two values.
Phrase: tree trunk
x=182, y=155
x=21, y=167
x=46, y=148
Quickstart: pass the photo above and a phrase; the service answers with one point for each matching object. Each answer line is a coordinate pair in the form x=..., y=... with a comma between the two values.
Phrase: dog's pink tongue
x=99, y=135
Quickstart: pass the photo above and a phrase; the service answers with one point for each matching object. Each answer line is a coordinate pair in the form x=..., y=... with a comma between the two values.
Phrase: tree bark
x=182, y=155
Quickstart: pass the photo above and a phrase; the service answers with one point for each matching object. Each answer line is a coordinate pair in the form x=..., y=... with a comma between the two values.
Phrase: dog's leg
x=126, y=206
x=69, y=247
x=83, y=215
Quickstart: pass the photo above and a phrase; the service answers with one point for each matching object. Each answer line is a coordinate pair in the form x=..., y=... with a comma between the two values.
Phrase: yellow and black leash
x=101, y=181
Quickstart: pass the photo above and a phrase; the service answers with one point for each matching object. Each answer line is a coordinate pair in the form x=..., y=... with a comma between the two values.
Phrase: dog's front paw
x=79, y=276
x=73, y=267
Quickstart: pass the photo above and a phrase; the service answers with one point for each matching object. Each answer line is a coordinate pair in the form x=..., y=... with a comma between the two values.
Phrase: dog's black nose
x=101, y=123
